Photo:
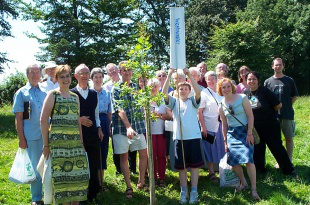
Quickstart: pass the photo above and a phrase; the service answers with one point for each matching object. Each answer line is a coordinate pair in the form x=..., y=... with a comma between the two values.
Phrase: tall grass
x=273, y=187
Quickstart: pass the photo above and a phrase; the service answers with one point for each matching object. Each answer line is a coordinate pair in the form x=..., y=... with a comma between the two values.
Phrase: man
x=49, y=83
x=29, y=99
x=128, y=129
x=203, y=69
x=91, y=130
x=284, y=87
x=222, y=71
x=196, y=74
x=113, y=73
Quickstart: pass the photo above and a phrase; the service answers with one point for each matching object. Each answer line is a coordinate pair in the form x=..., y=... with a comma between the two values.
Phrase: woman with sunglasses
x=264, y=104
x=239, y=141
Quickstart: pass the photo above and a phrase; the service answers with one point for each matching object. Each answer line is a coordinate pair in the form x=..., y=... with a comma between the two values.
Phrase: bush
x=10, y=86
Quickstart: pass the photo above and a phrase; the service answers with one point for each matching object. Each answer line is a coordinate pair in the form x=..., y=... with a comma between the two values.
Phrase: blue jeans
x=35, y=151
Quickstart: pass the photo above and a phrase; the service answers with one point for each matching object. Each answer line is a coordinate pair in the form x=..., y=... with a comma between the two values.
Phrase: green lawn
x=274, y=188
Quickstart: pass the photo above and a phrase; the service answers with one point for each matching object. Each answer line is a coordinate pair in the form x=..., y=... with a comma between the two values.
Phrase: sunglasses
x=231, y=110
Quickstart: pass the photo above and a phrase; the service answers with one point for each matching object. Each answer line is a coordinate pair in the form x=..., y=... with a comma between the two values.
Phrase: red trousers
x=159, y=156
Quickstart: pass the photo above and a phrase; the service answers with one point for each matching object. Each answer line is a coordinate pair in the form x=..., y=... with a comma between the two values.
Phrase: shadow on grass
x=7, y=128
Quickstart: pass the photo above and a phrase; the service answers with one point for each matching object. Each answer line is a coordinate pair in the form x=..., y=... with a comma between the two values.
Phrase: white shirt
x=210, y=111
x=48, y=85
x=158, y=126
x=84, y=94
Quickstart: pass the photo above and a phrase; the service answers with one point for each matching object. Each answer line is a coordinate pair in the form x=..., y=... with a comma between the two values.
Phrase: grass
x=274, y=187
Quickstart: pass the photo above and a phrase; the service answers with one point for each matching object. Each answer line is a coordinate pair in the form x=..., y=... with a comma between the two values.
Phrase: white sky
x=20, y=48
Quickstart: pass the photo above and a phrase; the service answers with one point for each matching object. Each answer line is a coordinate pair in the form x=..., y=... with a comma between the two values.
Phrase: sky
x=20, y=48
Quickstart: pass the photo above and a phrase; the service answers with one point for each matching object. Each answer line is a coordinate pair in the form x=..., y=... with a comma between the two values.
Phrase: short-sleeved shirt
x=285, y=89
x=188, y=114
x=238, y=110
x=209, y=103
x=158, y=126
x=262, y=102
x=35, y=96
x=104, y=99
x=131, y=111
x=240, y=88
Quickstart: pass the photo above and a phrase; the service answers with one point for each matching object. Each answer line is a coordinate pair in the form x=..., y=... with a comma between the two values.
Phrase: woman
x=63, y=141
x=161, y=76
x=239, y=142
x=208, y=115
x=264, y=104
x=158, y=139
x=105, y=115
x=243, y=71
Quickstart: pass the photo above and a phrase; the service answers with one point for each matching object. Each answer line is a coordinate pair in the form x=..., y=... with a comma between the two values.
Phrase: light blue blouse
x=35, y=96
x=105, y=104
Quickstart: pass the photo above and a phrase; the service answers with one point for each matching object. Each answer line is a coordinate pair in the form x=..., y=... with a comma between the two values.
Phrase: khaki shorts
x=121, y=144
x=288, y=128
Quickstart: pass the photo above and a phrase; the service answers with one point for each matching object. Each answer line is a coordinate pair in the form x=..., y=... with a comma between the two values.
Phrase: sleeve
x=294, y=91
x=171, y=103
x=18, y=102
x=97, y=113
x=195, y=103
x=115, y=97
x=203, y=100
x=110, y=103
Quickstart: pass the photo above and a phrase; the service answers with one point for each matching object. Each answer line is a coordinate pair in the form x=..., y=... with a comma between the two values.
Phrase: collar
x=81, y=89
x=29, y=86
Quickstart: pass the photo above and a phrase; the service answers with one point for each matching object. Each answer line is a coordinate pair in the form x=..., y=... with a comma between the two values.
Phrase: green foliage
x=93, y=32
x=10, y=86
x=7, y=9
x=238, y=44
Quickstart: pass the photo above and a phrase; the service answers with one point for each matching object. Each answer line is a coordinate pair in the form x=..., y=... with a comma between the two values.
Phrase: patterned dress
x=70, y=169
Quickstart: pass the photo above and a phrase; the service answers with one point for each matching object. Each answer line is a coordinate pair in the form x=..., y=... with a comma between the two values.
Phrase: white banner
x=177, y=38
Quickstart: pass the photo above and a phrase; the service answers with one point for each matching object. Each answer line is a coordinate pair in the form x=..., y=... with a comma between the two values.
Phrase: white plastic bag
x=228, y=177
x=22, y=171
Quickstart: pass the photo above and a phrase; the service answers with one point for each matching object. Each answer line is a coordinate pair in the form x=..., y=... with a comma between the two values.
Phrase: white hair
x=211, y=73
x=179, y=73
x=195, y=69
x=153, y=81
x=80, y=67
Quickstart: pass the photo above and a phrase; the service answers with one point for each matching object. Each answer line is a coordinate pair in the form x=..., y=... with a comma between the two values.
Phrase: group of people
x=72, y=127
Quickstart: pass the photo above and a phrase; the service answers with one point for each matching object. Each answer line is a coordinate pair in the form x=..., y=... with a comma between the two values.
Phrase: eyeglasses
x=231, y=110
x=163, y=76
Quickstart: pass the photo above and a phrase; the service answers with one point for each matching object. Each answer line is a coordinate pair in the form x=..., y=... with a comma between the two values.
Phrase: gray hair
x=94, y=71
x=211, y=73
x=32, y=66
x=153, y=81
x=111, y=65
x=195, y=69
x=80, y=67
x=222, y=64
x=179, y=73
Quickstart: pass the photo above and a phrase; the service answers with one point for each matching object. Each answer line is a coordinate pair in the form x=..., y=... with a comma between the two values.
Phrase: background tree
x=93, y=32
x=7, y=10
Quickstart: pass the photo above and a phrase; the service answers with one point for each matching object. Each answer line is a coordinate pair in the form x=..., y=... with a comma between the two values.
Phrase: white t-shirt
x=158, y=126
x=210, y=111
x=188, y=115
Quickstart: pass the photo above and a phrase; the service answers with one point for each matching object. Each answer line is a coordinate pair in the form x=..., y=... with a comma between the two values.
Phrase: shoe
x=193, y=198
x=143, y=187
x=162, y=183
x=129, y=193
x=241, y=188
x=213, y=178
x=183, y=197
x=255, y=195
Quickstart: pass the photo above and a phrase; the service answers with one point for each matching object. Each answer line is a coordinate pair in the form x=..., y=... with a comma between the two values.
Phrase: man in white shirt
x=113, y=73
x=49, y=83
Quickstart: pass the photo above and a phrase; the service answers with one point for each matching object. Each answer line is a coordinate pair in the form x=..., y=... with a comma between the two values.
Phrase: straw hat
x=50, y=64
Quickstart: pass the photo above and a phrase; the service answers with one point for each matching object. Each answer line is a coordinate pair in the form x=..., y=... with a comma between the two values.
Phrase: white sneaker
x=183, y=197
x=193, y=197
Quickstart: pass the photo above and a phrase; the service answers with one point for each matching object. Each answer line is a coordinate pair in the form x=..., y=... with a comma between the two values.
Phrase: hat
x=50, y=64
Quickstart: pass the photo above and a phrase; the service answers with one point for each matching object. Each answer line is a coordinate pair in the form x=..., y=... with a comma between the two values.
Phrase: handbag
x=254, y=132
x=169, y=125
x=228, y=177
x=22, y=171
x=209, y=138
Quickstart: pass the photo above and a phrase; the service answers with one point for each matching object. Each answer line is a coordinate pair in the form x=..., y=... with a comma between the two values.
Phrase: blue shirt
x=131, y=111
x=35, y=96
x=104, y=99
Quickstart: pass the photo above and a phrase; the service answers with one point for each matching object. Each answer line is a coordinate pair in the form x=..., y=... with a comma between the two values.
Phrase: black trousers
x=93, y=152
x=270, y=135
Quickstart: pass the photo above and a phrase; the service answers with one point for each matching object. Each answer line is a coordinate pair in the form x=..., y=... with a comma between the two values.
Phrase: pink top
x=240, y=88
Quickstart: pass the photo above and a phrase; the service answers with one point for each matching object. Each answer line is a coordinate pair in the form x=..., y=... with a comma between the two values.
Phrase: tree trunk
x=150, y=157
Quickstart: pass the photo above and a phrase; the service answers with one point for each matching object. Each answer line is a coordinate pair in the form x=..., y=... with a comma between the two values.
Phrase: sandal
x=129, y=193
x=143, y=187
x=212, y=177
x=255, y=195
x=241, y=188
